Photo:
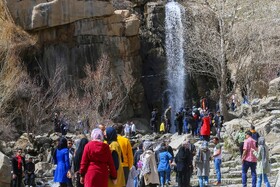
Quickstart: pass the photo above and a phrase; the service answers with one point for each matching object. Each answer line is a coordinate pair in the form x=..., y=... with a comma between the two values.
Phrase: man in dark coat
x=29, y=173
x=18, y=167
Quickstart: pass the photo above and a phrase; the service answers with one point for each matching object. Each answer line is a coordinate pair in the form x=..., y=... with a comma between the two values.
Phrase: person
x=179, y=122
x=138, y=164
x=111, y=137
x=126, y=148
x=263, y=165
x=97, y=162
x=205, y=128
x=71, y=157
x=248, y=159
x=102, y=127
x=202, y=163
x=217, y=155
x=239, y=139
x=164, y=161
x=170, y=150
x=133, y=174
x=18, y=167
x=204, y=103
x=219, y=120
x=133, y=128
x=167, y=119
x=77, y=161
x=148, y=174
x=255, y=134
x=127, y=130
x=29, y=173
x=61, y=158
x=56, y=123
x=183, y=160
x=162, y=128
x=153, y=121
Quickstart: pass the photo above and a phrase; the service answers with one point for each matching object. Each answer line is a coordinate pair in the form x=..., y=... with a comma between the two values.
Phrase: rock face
x=74, y=33
x=5, y=171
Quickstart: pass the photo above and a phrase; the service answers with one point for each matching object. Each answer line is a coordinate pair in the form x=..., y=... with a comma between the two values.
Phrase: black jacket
x=30, y=167
x=183, y=159
x=137, y=156
x=15, y=168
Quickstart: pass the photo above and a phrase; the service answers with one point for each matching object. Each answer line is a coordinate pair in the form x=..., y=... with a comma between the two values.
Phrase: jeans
x=203, y=181
x=136, y=181
x=217, y=164
x=168, y=173
x=264, y=177
x=161, y=178
x=245, y=166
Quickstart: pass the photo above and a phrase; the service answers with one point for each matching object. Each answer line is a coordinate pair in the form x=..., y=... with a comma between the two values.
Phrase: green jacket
x=240, y=137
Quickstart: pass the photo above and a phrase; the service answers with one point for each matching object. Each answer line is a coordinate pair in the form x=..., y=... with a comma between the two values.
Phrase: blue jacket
x=164, y=158
x=63, y=165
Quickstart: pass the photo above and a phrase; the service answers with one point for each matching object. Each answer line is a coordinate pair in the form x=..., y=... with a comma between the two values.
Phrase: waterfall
x=175, y=57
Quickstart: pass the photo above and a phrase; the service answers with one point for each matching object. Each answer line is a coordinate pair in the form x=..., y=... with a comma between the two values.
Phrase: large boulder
x=274, y=87
x=5, y=171
x=42, y=14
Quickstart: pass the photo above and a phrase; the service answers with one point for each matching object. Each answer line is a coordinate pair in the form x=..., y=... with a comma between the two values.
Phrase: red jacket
x=205, y=128
x=97, y=165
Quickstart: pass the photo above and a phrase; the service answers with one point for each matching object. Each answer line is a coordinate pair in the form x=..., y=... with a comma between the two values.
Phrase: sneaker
x=217, y=183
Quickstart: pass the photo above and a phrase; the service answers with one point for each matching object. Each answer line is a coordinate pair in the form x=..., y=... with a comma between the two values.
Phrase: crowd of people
x=109, y=159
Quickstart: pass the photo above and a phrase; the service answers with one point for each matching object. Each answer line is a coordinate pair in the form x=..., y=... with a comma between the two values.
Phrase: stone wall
x=72, y=34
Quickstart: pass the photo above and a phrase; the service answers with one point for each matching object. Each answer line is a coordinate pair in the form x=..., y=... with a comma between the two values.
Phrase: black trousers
x=183, y=178
x=17, y=181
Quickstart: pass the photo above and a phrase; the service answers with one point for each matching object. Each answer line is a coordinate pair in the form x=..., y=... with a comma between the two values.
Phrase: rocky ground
x=263, y=113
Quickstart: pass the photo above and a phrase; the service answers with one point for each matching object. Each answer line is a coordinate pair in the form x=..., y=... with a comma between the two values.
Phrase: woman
x=205, y=128
x=263, y=165
x=97, y=163
x=149, y=174
x=111, y=137
x=77, y=160
x=164, y=159
x=61, y=158
x=203, y=164
x=183, y=161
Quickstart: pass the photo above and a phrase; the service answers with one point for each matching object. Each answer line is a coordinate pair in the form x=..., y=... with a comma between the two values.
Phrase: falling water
x=175, y=56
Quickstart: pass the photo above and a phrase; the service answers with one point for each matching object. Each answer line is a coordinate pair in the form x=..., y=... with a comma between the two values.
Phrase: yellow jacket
x=126, y=151
x=114, y=146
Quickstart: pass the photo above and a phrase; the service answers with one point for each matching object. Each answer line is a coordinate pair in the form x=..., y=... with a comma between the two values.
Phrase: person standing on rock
x=133, y=129
x=167, y=119
x=239, y=139
x=219, y=120
x=29, y=178
x=202, y=162
x=206, y=127
x=183, y=160
x=217, y=160
x=56, y=123
x=154, y=119
x=263, y=165
x=18, y=167
x=249, y=160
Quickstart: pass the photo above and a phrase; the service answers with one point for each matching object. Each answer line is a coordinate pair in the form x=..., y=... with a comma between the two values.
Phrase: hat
x=249, y=133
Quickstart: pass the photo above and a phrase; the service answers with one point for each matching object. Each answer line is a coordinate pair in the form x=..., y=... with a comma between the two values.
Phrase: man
x=102, y=127
x=239, y=139
x=71, y=158
x=126, y=148
x=56, y=122
x=167, y=118
x=219, y=120
x=18, y=166
x=217, y=159
x=255, y=134
x=29, y=173
x=249, y=160
x=133, y=128
x=153, y=121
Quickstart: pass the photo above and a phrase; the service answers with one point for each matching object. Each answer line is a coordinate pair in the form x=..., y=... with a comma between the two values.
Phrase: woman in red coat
x=97, y=162
x=205, y=128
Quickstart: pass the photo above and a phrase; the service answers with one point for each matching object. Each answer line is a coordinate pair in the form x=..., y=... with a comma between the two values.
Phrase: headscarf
x=263, y=149
x=203, y=148
x=148, y=145
x=97, y=135
x=111, y=135
x=79, y=154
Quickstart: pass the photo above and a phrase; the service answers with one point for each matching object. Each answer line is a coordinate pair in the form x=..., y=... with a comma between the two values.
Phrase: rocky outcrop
x=5, y=171
x=74, y=33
